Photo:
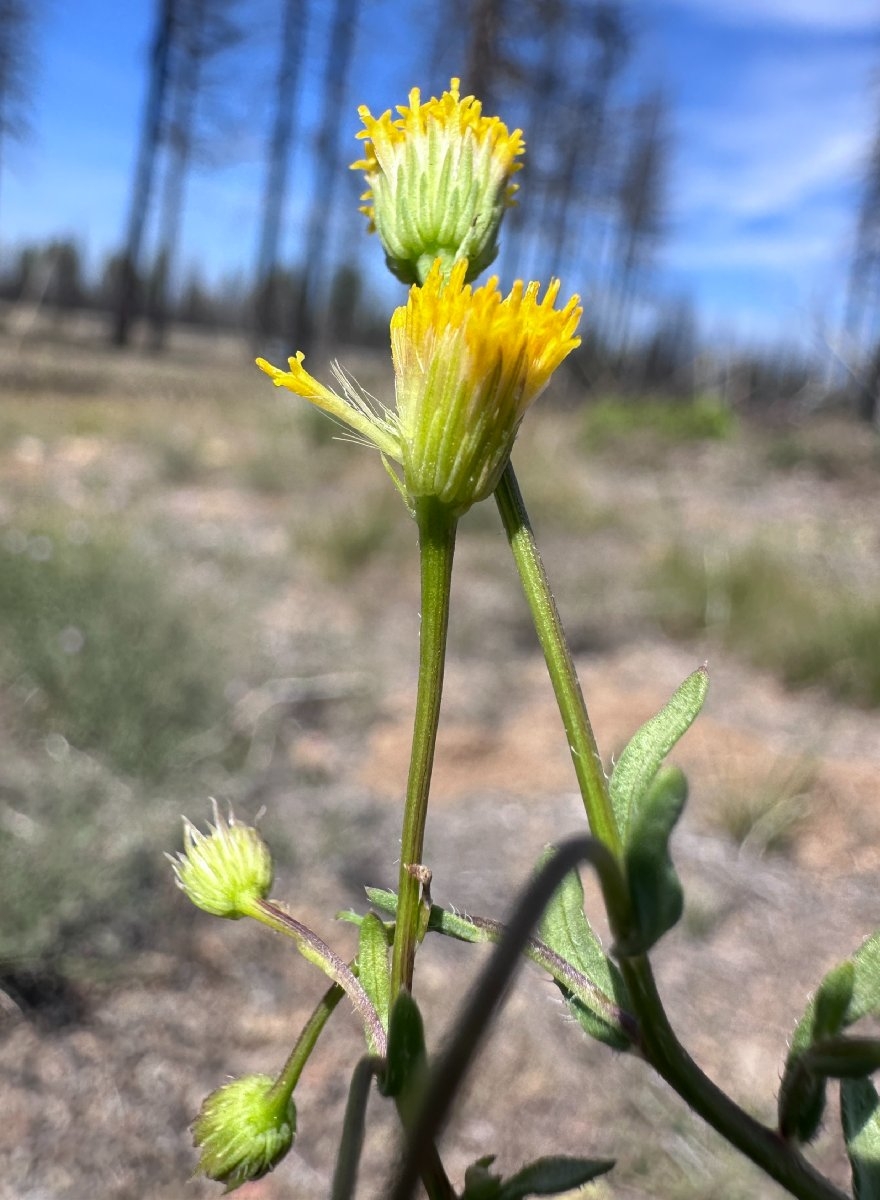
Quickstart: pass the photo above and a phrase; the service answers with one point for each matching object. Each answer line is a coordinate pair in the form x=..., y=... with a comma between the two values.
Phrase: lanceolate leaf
x=640, y=761
x=833, y=999
x=654, y=886
x=552, y=1176
x=865, y=1000
x=802, y=1090
x=847, y=993
x=382, y=899
x=407, y=1057
x=373, y=967
x=566, y=930
x=480, y=1181
x=590, y=982
x=860, y=1114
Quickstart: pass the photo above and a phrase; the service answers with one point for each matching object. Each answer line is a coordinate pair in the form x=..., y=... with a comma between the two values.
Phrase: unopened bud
x=243, y=1130
x=439, y=182
x=225, y=871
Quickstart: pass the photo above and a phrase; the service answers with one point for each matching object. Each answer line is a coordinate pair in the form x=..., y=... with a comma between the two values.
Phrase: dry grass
x=258, y=580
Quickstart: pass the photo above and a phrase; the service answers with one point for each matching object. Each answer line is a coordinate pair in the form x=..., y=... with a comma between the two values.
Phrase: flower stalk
x=658, y=1042
x=316, y=950
x=437, y=528
x=560, y=665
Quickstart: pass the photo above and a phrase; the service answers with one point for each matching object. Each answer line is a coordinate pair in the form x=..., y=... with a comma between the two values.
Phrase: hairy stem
x=581, y=742
x=447, y=1074
x=437, y=529
x=316, y=950
x=659, y=1044
x=764, y=1146
x=305, y=1043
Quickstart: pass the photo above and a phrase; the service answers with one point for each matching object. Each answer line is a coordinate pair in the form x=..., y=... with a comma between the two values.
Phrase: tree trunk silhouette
x=863, y=302
x=267, y=317
x=327, y=173
x=483, y=51
x=16, y=70
x=186, y=80
x=145, y=169
x=640, y=208
x=584, y=129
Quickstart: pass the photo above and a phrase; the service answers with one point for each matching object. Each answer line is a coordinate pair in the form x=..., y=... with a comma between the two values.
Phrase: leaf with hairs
x=552, y=1176
x=641, y=759
x=566, y=930
x=655, y=889
x=374, y=968
x=860, y=1116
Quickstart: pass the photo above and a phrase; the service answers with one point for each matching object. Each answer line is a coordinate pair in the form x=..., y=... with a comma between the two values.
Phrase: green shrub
x=80, y=859
x=806, y=631
x=95, y=645
x=611, y=420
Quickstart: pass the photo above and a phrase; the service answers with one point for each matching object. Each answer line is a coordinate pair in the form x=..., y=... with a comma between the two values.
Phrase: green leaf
x=640, y=761
x=843, y=1057
x=382, y=899
x=551, y=1176
x=566, y=930
x=860, y=1116
x=407, y=1057
x=833, y=999
x=480, y=1183
x=654, y=887
x=848, y=992
x=353, y=1128
x=865, y=1000
x=374, y=968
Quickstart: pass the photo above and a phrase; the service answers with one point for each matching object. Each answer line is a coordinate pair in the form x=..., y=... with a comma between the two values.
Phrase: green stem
x=437, y=528
x=581, y=742
x=316, y=950
x=764, y=1146
x=305, y=1043
x=431, y=1170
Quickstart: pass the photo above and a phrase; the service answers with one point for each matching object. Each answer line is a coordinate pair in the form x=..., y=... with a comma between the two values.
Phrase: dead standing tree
x=267, y=320
x=16, y=70
x=639, y=210
x=337, y=63
x=145, y=169
x=206, y=30
x=863, y=310
x=597, y=45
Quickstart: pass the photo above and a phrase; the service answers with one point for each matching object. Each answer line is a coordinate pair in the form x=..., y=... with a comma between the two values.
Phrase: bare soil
x=96, y=1093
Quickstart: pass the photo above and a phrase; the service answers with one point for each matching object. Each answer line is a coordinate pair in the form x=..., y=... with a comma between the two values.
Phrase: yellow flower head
x=439, y=181
x=467, y=364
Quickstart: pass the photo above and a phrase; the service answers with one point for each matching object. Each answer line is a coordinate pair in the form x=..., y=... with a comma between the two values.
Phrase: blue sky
x=774, y=103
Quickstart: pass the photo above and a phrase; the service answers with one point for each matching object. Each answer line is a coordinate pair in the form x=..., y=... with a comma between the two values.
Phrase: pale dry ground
x=99, y=1106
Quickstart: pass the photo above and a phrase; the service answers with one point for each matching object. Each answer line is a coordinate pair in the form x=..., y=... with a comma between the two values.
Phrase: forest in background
x=599, y=173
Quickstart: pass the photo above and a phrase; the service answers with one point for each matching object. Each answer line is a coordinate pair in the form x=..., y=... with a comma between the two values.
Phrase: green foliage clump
x=806, y=631
x=612, y=420
x=79, y=860
x=93, y=647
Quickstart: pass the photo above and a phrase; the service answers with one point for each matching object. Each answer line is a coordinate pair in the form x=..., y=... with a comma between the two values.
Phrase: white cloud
x=773, y=182
x=842, y=16
x=791, y=132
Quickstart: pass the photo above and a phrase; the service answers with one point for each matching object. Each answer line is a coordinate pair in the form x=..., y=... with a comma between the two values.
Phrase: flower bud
x=243, y=1130
x=225, y=871
x=439, y=182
